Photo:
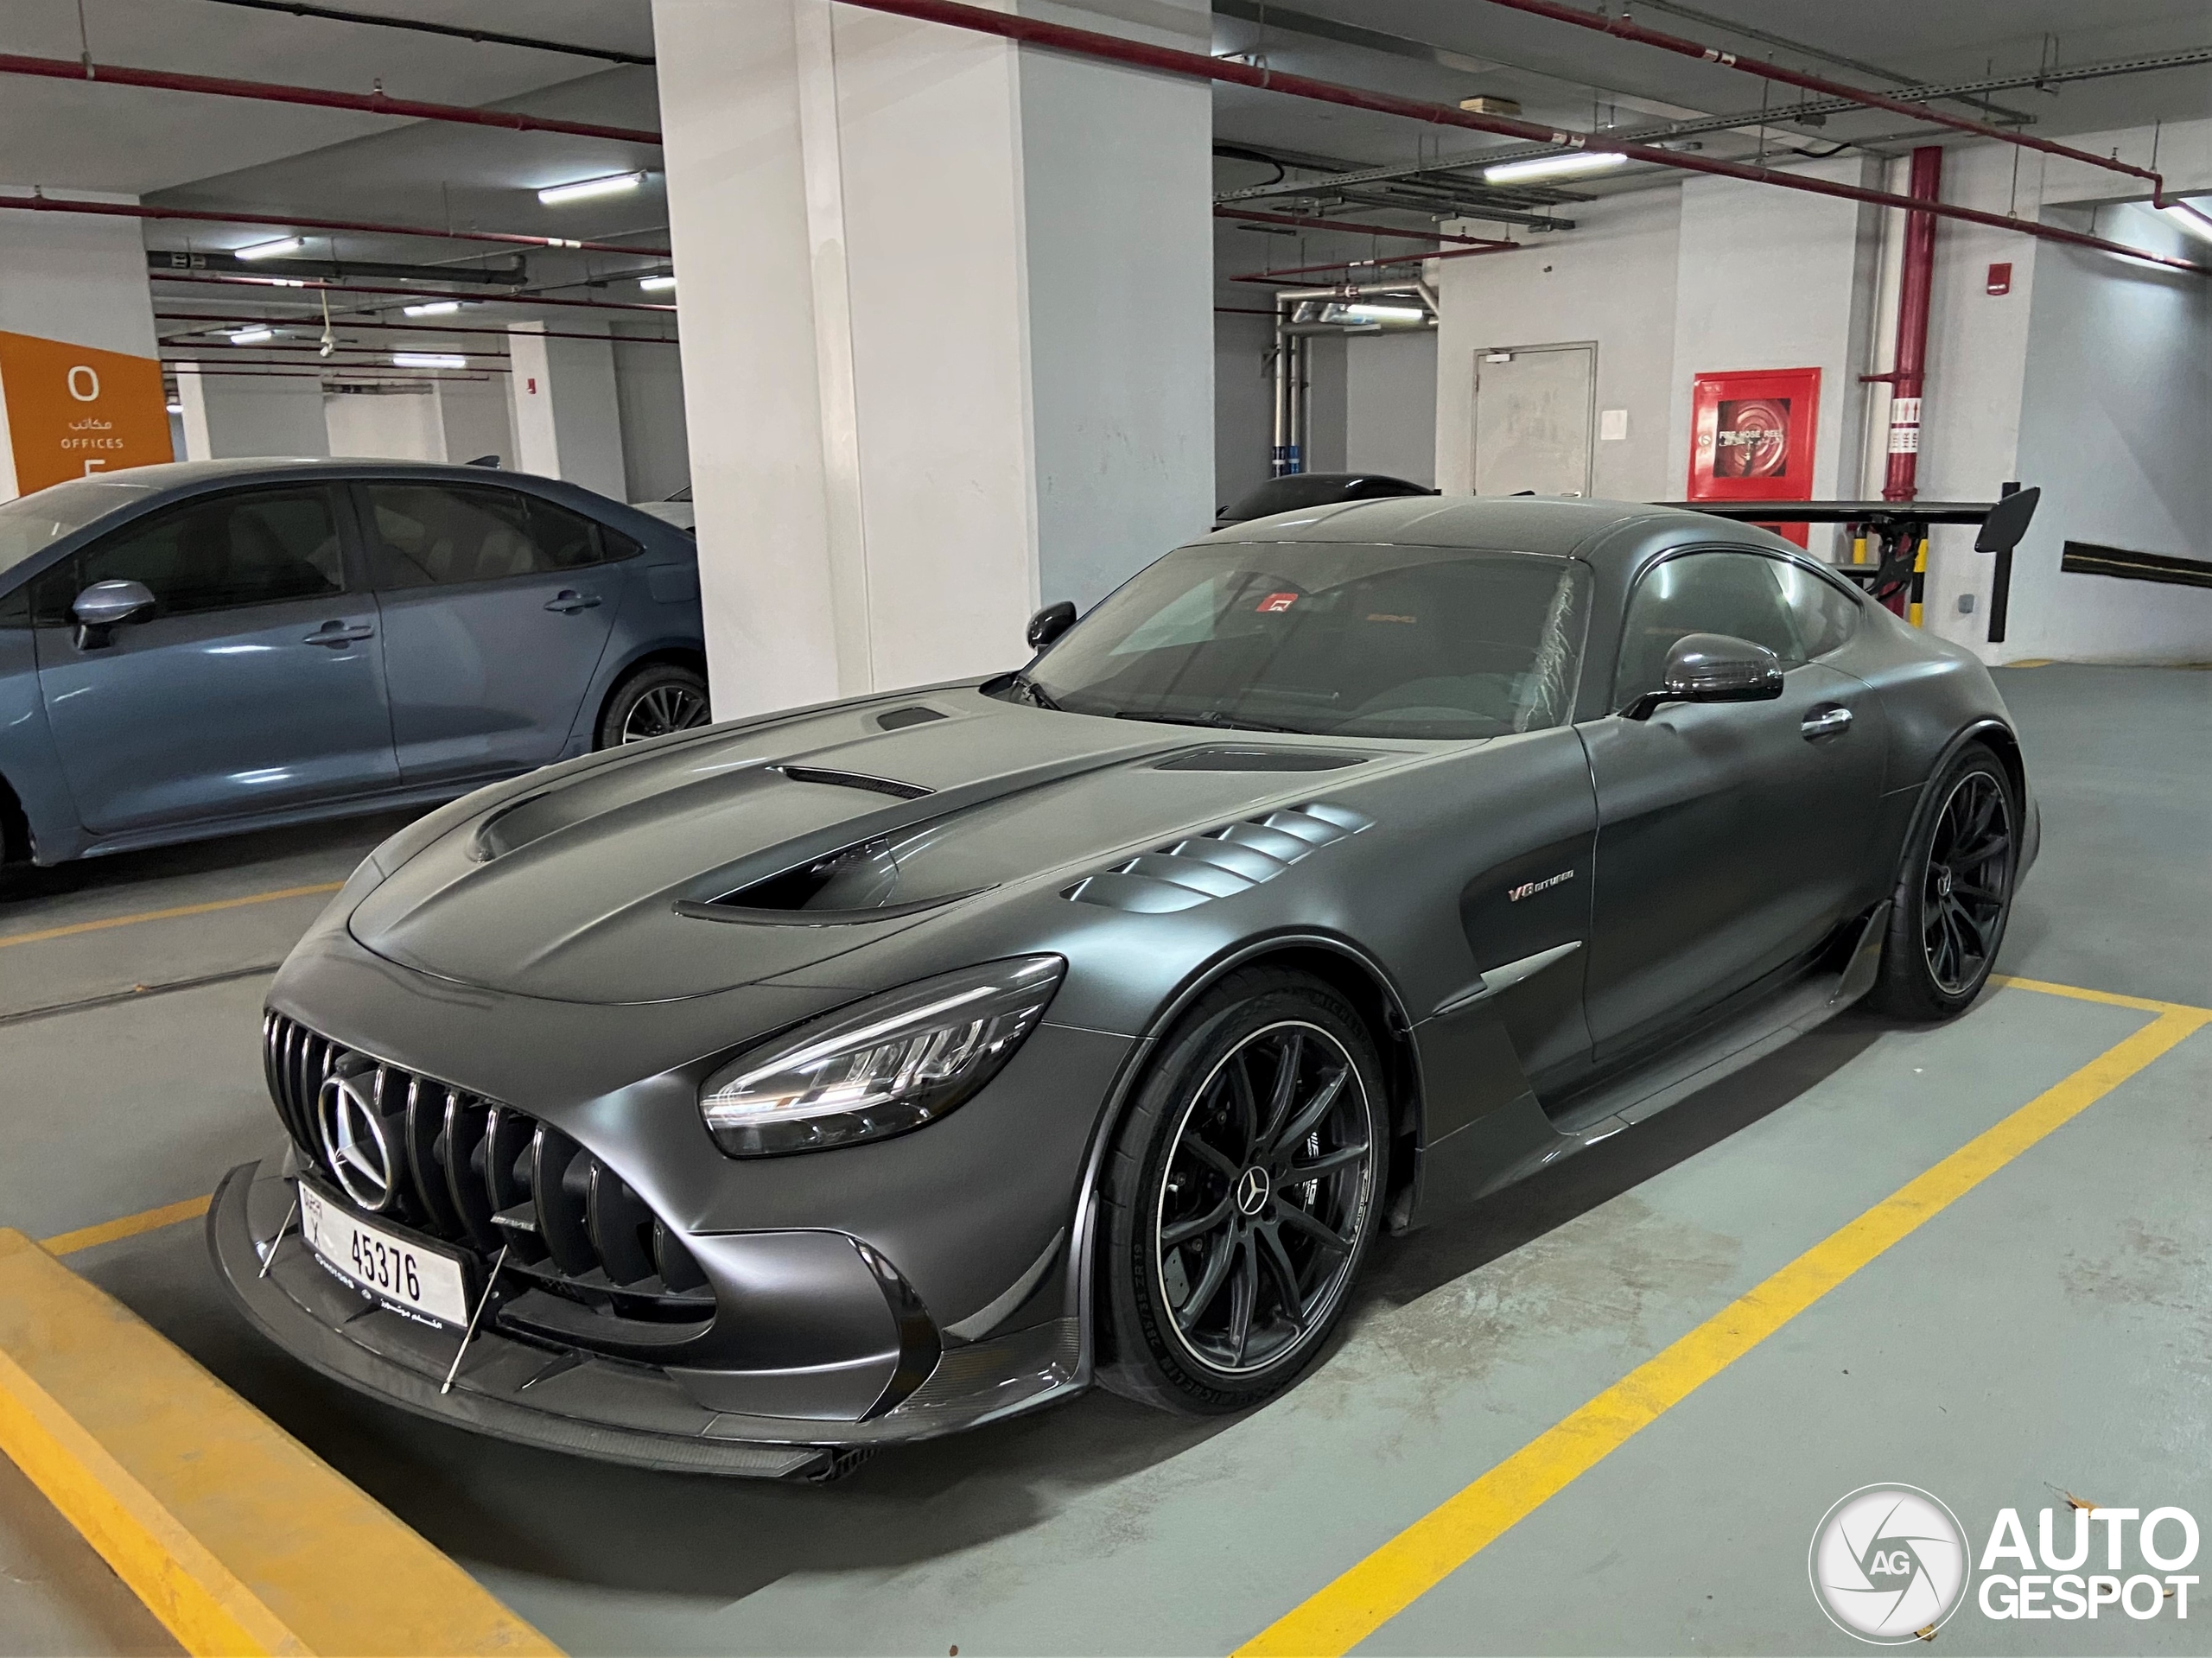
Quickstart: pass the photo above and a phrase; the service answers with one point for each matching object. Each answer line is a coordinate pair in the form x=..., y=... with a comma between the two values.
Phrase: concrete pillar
x=92, y=398
x=474, y=419
x=568, y=420
x=947, y=331
x=227, y=416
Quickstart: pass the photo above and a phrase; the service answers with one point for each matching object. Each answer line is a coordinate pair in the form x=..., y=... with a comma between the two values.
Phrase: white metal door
x=1533, y=408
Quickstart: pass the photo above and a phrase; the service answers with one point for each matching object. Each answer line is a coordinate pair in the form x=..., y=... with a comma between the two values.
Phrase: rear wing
x=1898, y=532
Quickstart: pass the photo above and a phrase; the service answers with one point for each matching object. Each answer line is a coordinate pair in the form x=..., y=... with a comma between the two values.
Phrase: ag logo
x=1887, y=1562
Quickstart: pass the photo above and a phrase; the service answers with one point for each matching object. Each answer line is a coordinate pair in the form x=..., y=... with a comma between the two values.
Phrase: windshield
x=1367, y=641
x=32, y=522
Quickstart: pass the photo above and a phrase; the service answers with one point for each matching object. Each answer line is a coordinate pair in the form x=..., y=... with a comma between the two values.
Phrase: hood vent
x=1221, y=863
x=900, y=719
x=864, y=882
x=1261, y=760
x=890, y=787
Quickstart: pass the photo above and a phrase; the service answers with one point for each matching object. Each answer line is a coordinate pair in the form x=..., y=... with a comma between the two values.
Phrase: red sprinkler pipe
x=46, y=204
x=1622, y=29
x=1112, y=48
x=1908, y=377
x=405, y=109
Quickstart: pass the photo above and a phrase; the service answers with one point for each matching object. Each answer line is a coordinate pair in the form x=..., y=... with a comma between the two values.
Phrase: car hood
x=723, y=858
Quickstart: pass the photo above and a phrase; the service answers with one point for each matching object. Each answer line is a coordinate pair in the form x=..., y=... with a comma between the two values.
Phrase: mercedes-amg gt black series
x=752, y=1097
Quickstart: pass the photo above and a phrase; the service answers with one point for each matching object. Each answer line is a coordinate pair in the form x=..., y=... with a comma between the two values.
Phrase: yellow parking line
x=238, y=1538
x=43, y=934
x=2043, y=986
x=151, y=1220
x=1366, y=1596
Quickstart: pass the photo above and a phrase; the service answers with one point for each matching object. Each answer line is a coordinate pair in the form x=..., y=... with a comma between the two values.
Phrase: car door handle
x=338, y=633
x=568, y=602
x=1826, y=722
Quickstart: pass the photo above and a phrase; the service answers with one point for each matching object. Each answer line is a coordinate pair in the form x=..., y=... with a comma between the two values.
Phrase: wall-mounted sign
x=67, y=411
x=1752, y=438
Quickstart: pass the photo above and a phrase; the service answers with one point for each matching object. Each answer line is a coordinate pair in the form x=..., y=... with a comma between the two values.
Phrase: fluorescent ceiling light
x=427, y=359
x=1570, y=164
x=1384, y=313
x=657, y=285
x=277, y=281
x=432, y=308
x=253, y=336
x=2192, y=218
x=270, y=249
x=583, y=190
x=176, y=409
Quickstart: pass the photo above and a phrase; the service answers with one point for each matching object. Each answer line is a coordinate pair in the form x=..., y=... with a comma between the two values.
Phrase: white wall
x=1390, y=403
x=389, y=425
x=656, y=448
x=82, y=280
x=230, y=415
x=568, y=419
x=1244, y=398
x=475, y=420
x=1775, y=278
x=1612, y=279
x=2116, y=426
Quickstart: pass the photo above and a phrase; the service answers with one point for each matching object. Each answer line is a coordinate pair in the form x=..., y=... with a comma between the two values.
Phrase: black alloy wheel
x=655, y=702
x=1955, y=894
x=1244, y=1212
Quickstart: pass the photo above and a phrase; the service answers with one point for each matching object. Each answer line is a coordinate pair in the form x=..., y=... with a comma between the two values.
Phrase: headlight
x=893, y=1063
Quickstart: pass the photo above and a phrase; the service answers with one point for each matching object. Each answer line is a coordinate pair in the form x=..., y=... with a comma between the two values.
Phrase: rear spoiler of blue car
x=1898, y=529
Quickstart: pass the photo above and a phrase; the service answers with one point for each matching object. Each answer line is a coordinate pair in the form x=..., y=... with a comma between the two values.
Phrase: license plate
x=396, y=1271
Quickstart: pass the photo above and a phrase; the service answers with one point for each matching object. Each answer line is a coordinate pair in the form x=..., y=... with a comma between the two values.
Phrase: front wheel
x=1954, y=894
x=1244, y=1188
x=655, y=701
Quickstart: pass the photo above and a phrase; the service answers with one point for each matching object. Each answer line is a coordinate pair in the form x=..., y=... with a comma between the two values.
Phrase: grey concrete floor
x=2047, y=1332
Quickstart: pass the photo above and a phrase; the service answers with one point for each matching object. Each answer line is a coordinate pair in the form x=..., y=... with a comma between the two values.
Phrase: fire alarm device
x=2001, y=280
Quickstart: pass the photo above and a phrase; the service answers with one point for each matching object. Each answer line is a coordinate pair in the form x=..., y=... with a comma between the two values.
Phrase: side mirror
x=104, y=605
x=1713, y=668
x=1050, y=623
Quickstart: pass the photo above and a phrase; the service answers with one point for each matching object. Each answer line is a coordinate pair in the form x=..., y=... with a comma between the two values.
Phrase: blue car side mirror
x=104, y=605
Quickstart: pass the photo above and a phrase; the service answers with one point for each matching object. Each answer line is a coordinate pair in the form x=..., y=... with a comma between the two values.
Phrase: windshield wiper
x=1034, y=692
x=1213, y=719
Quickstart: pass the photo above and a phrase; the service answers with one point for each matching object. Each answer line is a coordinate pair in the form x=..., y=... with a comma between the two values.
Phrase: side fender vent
x=1220, y=863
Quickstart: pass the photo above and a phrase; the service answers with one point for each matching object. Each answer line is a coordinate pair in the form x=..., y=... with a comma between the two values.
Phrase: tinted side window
x=218, y=554
x=1825, y=617
x=433, y=535
x=1736, y=594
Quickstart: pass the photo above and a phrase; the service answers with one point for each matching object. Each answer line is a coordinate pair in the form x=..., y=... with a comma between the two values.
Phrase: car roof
x=188, y=474
x=1614, y=533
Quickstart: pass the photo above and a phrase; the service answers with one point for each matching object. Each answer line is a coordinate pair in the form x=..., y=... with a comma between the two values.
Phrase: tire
x=1954, y=894
x=1201, y=1187
x=656, y=700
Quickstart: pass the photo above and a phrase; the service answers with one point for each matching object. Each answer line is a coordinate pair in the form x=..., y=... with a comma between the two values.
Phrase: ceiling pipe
x=1349, y=265
x=454, y=31
x=1112, y=48
x=264, y=284
x=1623, y=29
x=351, y=325
x=270, y=92
x=1353, y=228
x=41, y=203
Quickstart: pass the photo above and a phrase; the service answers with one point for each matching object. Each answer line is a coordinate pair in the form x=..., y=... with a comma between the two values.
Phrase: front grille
x=483, y=1176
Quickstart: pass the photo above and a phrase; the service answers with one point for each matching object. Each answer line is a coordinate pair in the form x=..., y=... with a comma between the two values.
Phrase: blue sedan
x=198, y=648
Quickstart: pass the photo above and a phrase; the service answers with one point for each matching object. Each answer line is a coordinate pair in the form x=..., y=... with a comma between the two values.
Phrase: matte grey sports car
x=749, y=1098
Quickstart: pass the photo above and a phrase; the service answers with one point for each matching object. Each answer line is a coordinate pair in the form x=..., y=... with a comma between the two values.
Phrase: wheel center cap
x=1943, y=883
x=1253, y=1190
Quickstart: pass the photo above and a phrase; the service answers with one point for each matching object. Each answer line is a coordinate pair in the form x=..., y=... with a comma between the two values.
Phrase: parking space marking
x=1368, y=1595
x=2109, y=998
x=149, y=1220
x=180, y=910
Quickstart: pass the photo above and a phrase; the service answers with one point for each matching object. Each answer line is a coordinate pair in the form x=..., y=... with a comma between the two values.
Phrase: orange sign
x=66, y=410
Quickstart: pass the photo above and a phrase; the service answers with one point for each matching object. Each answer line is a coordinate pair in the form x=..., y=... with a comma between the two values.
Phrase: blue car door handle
x=1826, y=722
x=568, y=602
x=340, y=633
